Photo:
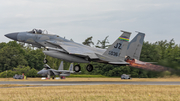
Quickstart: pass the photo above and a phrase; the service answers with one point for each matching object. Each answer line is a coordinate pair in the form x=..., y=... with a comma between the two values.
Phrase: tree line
x=17, y=58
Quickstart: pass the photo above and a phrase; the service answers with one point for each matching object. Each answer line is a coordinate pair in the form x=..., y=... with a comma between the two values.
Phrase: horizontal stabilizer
x=119, y=63
x=108, y=59
x=47, y=66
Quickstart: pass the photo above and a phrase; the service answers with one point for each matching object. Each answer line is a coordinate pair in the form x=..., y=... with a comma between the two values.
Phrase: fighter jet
x=47, y=71
x=55, y=46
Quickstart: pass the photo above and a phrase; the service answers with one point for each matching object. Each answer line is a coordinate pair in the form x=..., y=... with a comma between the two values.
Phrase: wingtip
x=139, y=32
x=125, y=31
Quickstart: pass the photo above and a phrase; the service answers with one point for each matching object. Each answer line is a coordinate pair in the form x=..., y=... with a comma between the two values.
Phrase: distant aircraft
x=47, y=71
x=118, y=53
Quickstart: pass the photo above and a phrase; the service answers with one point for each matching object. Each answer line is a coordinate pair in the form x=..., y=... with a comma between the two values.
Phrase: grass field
x=93, y=93
x=95, y=79
x=16, y=85
x=85, y=76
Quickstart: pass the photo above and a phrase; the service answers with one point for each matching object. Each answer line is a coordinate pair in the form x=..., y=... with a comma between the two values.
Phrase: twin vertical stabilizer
x=122, y=48
x=71, y=67
x=61, y=66
x=135, y=46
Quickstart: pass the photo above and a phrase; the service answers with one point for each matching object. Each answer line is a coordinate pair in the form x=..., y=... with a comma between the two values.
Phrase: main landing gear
x=89, y=68
x=77, y=68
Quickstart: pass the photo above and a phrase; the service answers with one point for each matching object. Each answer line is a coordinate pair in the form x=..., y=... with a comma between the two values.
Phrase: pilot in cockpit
x=38, y=31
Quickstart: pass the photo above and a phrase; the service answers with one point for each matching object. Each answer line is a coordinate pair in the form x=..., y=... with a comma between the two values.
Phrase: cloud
x=70, y=18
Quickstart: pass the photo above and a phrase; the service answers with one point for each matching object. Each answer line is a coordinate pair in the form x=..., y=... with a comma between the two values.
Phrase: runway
x=63, y=83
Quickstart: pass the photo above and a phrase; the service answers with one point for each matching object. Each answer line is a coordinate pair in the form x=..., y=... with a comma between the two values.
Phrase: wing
x=72, y=48
x=75, y=49
x=62, y=71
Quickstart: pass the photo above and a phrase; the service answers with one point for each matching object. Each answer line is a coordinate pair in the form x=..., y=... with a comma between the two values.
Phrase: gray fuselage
x=54, y=49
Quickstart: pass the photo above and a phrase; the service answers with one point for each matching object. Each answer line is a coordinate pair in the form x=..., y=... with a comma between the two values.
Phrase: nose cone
x=12, y=36
x=39, y=72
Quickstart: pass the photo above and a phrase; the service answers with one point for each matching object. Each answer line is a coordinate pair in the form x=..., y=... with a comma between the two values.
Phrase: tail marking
x=124, y=38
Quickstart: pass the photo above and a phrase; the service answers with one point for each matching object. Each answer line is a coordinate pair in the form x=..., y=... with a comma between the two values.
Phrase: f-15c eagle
x=48, y=71
x=58, y=47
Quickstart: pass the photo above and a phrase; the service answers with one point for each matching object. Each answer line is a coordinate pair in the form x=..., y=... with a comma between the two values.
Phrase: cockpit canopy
x=38, y=31
x=46, y=67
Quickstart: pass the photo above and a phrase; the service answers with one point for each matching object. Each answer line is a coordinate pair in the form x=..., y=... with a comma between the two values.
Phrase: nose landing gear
x=45, y=60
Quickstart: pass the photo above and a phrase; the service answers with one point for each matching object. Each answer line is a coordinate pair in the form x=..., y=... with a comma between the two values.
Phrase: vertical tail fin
x=71, y=67
x=61, y=66
x=118, y=49
x=135, y=46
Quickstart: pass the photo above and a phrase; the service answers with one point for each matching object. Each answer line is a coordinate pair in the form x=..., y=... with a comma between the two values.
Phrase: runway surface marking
x=57, y=83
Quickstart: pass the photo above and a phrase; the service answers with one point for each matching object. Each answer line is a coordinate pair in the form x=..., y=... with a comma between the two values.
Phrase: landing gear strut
x=77, y=68
x=89, y=68
x=53, y=77
x=48, y=75
x=45, y=60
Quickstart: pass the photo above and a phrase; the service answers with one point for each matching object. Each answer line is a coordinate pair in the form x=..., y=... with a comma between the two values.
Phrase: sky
x=80, y=19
